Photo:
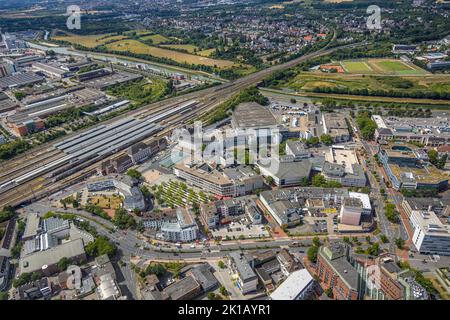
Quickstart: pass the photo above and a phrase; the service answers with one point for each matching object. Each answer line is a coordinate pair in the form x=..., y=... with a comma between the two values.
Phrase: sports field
x=135, y=46
x=381, y=66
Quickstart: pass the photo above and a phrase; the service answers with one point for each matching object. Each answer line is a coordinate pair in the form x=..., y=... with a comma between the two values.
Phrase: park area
x=106, y=201
x=381, y=66
x=318, y=81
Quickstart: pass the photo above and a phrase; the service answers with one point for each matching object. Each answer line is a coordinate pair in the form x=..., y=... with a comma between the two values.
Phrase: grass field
x=188, y=47
x=206, y=52
x=156, y=38
x=381, y=66
x=307, y=81
x=135, y=46
x=90, y=41
x=356, y=67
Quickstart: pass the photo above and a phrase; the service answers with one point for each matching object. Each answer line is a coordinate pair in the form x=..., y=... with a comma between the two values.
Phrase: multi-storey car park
x=97, y=143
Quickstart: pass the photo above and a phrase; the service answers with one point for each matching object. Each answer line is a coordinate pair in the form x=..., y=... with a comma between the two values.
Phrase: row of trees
x=366, y=125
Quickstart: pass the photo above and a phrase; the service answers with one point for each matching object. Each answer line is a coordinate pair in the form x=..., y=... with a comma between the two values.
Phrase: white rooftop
x=295, y=284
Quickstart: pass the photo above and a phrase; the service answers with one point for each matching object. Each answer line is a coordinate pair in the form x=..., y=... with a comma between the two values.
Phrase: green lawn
x=356, y=67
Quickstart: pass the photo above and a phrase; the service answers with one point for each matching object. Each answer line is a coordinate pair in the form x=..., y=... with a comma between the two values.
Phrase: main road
x=208, y=100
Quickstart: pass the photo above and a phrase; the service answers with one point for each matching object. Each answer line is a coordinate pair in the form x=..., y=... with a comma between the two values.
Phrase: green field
x=156, y=38
x=308, y=81
x=356, y=67
x=188, y=47
x=381, y=66
x=90, y=41
x=137, y=47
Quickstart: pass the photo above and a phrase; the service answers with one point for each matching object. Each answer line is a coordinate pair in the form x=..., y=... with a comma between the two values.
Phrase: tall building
x=431, y=235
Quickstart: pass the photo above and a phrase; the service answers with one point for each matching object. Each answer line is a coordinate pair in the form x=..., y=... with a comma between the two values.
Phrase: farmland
x=137, y=47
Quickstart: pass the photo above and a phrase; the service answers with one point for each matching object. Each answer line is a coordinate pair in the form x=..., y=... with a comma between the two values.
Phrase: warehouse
x=20, y=80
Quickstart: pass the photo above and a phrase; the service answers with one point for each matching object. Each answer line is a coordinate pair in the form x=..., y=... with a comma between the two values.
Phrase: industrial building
x=20, y=80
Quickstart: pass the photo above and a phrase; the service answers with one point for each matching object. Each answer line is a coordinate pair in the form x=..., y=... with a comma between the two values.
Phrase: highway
x=208, y=99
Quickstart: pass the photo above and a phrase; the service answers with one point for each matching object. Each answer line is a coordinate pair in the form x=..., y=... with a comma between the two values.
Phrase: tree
x=433, y=156
x=326, y=139
x=6, y=214
x=211, y=296
x=63, y=263
x=312, y=253
x=269, y=180
x=100, y=246
x=304, y=182
x=400, y=243
x=3, y=295
x=123, y=220
x=293, y=100
x=134, y=174
x=318, y=180
x=390, y=212
x=346, y=239
x=316, y=241
x=221, y=264
x=384, y=239
x=368, y=239
x=223, y=291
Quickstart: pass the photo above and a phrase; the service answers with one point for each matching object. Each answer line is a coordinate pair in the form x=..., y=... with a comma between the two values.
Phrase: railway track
x=209, y=98
x=46, y=158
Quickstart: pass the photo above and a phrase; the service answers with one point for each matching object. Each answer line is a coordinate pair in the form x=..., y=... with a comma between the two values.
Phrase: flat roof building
x=45, y=262
x=298, y=286
x=252, y=115
x=431, y=235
